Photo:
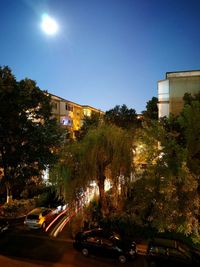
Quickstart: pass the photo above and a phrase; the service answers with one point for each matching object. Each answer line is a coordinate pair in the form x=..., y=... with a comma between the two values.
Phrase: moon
x=49, y=25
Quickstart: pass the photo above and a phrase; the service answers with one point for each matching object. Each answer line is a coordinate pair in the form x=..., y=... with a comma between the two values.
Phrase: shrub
x=17, y=208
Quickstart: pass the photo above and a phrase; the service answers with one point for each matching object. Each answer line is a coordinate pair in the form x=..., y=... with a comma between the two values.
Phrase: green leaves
x=122, y=117
x=29, y=137
x=190, y=122
x=167, y=196
x=151, y=112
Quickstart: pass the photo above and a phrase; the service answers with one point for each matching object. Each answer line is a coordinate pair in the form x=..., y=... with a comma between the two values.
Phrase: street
x=29, y=248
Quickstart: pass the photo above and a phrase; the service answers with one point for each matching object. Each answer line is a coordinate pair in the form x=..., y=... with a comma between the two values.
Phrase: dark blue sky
x=107, y=52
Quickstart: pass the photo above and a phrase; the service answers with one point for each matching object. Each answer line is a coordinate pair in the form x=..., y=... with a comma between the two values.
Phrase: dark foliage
x=122, y=117
x=151, y=112
x=29, y=137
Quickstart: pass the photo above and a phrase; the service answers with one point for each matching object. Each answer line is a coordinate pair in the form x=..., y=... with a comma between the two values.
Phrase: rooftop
x=187, y=73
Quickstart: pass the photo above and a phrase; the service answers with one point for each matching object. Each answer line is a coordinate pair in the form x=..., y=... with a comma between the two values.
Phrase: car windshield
x=33, y=217
x=158, y=250
x=45, y=212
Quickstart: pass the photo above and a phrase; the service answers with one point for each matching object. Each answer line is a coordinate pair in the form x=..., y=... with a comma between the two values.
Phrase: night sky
x=106, y=52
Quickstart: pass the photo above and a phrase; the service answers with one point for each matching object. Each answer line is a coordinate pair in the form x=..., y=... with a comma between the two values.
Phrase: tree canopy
x=189, y=120
x=151, y=112
x=123, y=117
x=29, y=136
x=164, y=192
x=169, y=187
x=104, y=152
x=89, y=122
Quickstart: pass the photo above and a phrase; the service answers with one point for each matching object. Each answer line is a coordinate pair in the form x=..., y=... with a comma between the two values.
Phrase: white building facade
x=172, y=89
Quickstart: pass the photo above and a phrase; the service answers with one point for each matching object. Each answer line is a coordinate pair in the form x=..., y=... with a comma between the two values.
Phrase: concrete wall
x=163, y=98
x=172, y=90
x=178, y=86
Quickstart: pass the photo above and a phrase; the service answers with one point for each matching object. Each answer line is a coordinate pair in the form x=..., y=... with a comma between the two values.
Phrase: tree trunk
x=102, y=196
x=9, y=194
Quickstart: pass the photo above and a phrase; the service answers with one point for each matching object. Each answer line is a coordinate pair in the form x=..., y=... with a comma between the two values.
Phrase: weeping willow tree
x=104, y=152
x=59, y=178
x=105, y=149
x=62, y=175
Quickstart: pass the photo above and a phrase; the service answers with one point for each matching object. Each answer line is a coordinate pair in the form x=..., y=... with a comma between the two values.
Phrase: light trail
x=60, y=226
x=56, y=218
x=68, y=216
x=57, y=229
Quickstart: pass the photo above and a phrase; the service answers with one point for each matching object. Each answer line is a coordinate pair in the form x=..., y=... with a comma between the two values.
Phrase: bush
x=17, y=208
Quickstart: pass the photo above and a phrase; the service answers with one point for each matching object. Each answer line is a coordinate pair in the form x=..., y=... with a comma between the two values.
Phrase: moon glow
x=49, y=25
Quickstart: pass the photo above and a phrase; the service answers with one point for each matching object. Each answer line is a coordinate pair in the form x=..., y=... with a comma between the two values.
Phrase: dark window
x=158, y=250
x=68, y=107
x=33, y=217
x=93, y=239
x=106, y=242
x=44, y=213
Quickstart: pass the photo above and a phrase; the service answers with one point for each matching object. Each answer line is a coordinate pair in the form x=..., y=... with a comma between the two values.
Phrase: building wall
x=163, y=98
x=77, y=115
x=55, y=106
x=172, y=89
x=178, y=87
x=70, y=114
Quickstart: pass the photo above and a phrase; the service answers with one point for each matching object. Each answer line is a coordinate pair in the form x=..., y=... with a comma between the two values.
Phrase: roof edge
x=183, y=73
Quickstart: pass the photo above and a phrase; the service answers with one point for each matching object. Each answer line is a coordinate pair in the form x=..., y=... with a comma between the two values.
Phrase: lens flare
x=49, y=25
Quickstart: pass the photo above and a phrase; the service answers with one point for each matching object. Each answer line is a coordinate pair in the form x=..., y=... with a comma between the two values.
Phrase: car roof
x=38, y=210
x=171, y=243
x=98, y=232
x=92, y=231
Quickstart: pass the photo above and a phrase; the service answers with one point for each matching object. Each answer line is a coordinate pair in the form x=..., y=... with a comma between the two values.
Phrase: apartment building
x=172, y=89
x=71, y=114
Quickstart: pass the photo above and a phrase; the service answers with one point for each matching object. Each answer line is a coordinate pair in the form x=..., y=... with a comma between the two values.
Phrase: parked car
x=166, y=252
x=105, y=243
x=39, y=218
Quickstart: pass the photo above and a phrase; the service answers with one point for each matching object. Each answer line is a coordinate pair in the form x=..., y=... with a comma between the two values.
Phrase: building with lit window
x=172, y=89
x=71, y=114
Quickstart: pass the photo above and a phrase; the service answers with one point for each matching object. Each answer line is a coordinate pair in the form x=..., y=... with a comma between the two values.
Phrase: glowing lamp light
x=49, y=25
